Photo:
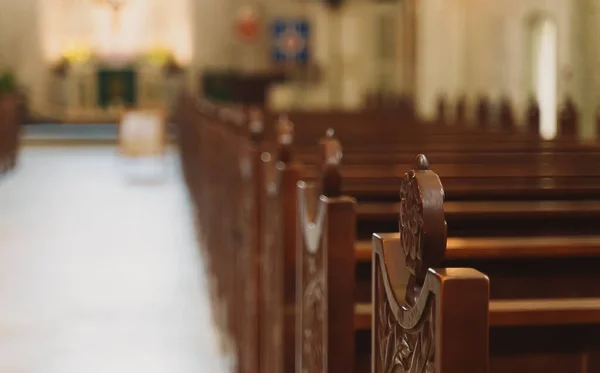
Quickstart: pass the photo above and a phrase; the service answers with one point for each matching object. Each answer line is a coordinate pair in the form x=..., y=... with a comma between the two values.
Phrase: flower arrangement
x=77, y=53
x=159, y=56
x=163, y=57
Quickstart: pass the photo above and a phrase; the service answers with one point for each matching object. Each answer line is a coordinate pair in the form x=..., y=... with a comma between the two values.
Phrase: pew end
x=325, y=261
x=447, y=328
x=425, y=319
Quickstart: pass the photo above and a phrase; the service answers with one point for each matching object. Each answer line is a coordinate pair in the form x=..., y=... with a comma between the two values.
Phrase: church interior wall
x=345, y=46
x=20, y=47
x=469, y=47
x=480, y=47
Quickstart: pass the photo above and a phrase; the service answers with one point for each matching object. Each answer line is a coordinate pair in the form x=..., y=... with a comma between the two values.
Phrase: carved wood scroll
x=425, y=320
x=311, y=289
x=331, y=178
x=404, y=323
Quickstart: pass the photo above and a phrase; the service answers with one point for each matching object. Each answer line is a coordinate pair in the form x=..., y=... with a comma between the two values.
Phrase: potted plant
x=8, y=83
x=12, y=92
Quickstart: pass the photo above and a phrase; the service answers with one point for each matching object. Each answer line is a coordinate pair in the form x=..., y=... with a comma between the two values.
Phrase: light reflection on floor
x=99, y=271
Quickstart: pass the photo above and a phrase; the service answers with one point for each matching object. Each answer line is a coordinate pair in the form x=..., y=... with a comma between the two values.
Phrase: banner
x=248, y=24
x=291, y=41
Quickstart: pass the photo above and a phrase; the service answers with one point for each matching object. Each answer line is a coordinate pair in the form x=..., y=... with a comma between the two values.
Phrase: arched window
x=543, y=71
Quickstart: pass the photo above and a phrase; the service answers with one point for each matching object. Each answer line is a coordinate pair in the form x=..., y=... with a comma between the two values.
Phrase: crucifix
x=116, y=6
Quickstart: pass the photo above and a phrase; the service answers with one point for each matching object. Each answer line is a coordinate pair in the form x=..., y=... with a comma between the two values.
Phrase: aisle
x=99, y=274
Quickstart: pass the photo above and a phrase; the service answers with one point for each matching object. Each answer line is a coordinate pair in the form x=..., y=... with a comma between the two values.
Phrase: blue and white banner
x=290, y=41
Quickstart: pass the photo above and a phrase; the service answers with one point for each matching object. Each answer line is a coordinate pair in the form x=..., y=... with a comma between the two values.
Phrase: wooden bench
x=527, y=320
x=216, y=141
x=470, y=213
x=351, y=128
x=222, y=142
x=427, y=319
x=466, y=213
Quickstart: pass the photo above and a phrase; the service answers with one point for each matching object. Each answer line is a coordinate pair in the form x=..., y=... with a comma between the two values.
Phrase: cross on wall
x=116, y=6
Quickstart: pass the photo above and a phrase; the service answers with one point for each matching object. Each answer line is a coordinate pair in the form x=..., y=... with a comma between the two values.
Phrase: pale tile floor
x=99, y=273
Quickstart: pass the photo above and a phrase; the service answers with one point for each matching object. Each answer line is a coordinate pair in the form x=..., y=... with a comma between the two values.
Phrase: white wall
x=34, y=34
x=20, y=49
x=441, y=33
x=480, y=47
x=345, y=48
x=463, y=46
x=586, y=46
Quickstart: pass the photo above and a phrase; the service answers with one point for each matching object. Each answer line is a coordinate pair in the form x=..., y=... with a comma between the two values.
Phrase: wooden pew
x=275, y=189
x=279, y=231
x=324, y=298
x=221, y=155
x=583, y=217
x=534, y=305
x=286, y=231
x=427, y=319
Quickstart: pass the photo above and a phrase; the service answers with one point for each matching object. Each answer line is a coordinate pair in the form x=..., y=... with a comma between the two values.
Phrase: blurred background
x=79, y=60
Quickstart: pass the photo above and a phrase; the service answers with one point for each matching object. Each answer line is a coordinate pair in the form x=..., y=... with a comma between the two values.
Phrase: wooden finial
x=285, y=136
x=255, y=124
x=422, y=163
x=332, y=157
x=284, y=130
x=421, y=222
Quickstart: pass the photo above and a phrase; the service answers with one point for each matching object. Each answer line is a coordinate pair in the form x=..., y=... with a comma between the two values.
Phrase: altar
x=116, y=86
x=110, y=60
x=99, y=90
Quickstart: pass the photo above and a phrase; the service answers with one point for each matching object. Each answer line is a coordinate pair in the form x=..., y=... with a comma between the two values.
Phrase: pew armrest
x=461, y=318
x=543, y=312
